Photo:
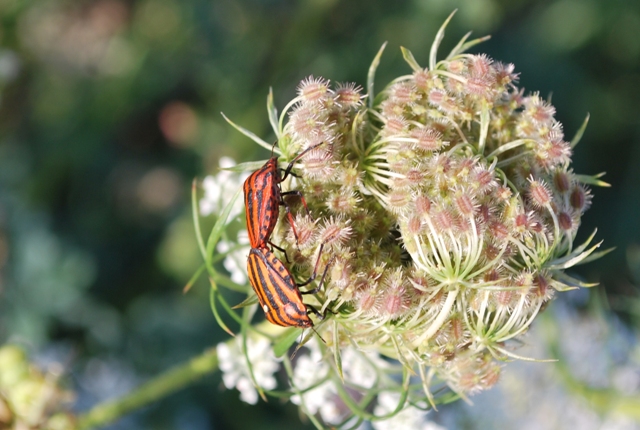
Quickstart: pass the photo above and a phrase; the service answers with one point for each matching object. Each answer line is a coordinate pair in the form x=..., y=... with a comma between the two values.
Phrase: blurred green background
x=110, y=108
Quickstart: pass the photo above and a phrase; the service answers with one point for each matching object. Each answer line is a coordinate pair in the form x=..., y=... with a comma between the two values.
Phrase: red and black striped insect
x=277, y=291
x=263, y=197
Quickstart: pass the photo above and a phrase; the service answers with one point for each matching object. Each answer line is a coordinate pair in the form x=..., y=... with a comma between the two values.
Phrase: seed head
x=343, y=201
x=447, y=210
x=348, y=95
x=458, y=67
x=318, y=164
x=562, y=181
x=335, y=232
x=504, y=74
x=444, y=220
x=306, y=230
x=565, y=221
x=422, y=79
x=399, y=200
x=539, y=193
x=580, y=198
x=351, y=177
x=504, y=193
x=395, y=299
x=481, y=86
x=542, y=289
x=465, y=204
x=437, y=97
x=415, y=226
x=404, y=94
x=306, y=121
x=368, y=301
x=422, y=205
x=539, y=111
x=341, y=272
x=313, y=89
x=427, y=139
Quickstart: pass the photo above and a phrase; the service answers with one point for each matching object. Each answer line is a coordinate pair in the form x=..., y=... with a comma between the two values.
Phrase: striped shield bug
x=263, y=197
x=278, y=293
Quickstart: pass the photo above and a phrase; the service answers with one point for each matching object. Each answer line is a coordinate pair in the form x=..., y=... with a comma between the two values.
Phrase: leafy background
x=110, y=108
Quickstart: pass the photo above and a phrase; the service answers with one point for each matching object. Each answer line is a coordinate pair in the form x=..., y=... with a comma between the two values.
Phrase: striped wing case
x=277, y=291
x=262, y=200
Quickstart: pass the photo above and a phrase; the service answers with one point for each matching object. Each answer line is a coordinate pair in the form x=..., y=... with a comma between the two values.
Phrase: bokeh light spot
x=179, y=124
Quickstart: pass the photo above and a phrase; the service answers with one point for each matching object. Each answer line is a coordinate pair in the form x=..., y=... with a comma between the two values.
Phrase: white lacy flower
x=235, y=372
x=361, y=368
x=236, y=261
x=409, y=418
x=310, y=370
x=219, y=189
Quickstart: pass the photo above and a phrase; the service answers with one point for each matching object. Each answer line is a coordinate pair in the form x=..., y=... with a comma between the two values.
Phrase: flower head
x=441, y=217
x=218, y=190
x=410, y=417
x=237, y=252
x=236, y=372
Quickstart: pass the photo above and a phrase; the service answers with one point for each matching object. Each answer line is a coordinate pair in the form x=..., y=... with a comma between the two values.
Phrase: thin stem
x=439, y=321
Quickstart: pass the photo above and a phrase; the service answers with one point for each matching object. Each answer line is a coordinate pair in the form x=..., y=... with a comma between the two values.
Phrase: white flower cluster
x=312, y=371
x=360, y=370
x=236, y=260
x=219, y=189
x=314, y=383
x=236, y=373
x=409, y=418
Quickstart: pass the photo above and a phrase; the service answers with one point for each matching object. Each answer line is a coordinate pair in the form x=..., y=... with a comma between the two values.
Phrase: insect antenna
x=303, y=342
x=287, y=171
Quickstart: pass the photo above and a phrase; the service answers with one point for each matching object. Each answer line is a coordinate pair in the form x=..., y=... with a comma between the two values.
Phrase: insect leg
x=315, y=271
x=295, y=193
x=284, y=251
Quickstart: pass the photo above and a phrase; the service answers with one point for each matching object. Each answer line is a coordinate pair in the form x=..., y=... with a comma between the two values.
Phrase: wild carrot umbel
x=448, y=208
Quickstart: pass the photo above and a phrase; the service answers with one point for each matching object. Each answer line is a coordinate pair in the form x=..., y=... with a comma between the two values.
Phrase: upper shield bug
x=263, y=197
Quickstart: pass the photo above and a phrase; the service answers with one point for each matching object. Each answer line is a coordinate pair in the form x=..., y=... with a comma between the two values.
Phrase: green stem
x=155, y=389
